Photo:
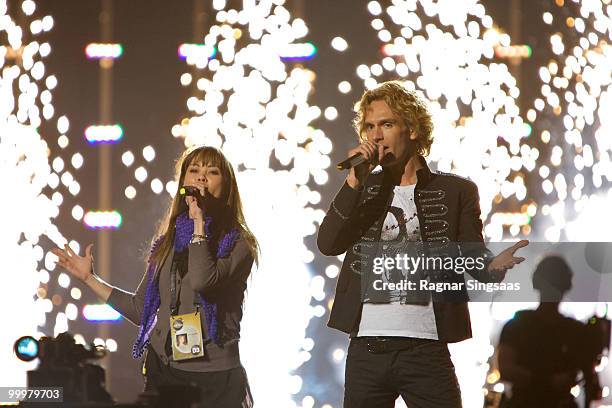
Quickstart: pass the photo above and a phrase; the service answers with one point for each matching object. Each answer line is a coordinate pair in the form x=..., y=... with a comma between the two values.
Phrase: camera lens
x=26, y=348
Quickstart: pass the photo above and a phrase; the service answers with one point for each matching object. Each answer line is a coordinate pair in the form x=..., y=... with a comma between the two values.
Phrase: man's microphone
x=353, y=161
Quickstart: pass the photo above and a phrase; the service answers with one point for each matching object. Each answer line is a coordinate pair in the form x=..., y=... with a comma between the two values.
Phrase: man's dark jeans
x=423, y=374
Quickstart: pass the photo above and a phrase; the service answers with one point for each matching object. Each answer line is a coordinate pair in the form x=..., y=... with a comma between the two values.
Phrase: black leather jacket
x=448, y=211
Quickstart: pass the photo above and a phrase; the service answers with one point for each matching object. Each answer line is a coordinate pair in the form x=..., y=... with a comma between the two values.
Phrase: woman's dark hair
x=208, y=156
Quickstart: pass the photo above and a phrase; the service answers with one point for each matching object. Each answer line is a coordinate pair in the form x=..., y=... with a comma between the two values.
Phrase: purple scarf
x=184, y=231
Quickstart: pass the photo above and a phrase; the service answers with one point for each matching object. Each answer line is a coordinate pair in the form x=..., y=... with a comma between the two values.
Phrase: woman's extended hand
x=78, y=266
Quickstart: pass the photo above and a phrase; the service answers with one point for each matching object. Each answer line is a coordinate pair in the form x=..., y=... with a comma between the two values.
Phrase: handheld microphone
x=354, y=160
x=191, y=191
x=206, y=202
x=195, y=192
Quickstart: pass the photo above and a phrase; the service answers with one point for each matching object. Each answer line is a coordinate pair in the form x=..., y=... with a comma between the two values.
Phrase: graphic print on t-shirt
x=399, y=234
x=406, y=315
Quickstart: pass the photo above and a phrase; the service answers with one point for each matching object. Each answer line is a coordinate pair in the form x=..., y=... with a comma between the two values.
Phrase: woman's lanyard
x=174, y=290
x=179, y=259
x=185, y=329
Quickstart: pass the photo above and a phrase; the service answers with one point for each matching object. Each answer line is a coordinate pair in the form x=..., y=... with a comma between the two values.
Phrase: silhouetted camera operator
x=541, y=352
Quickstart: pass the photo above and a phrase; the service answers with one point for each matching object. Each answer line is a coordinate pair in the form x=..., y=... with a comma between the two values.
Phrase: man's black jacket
x=448, y=211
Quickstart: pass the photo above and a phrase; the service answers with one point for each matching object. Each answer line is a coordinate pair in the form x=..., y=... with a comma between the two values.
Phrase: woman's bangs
x=209, y=157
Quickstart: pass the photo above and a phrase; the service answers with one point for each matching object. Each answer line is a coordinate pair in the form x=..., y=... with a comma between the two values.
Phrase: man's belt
x=387, y=344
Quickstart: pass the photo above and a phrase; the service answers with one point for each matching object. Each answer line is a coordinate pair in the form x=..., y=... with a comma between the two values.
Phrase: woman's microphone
x=195, y=192
x=206, y=202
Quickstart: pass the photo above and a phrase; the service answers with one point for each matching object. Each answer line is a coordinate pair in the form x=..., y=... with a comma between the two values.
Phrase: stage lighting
x=26, y=348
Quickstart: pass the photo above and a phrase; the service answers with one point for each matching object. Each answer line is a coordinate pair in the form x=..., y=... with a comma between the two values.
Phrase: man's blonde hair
x=404, y=103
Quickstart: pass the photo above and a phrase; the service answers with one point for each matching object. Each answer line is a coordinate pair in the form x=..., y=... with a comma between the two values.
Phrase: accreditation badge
x=186, y=333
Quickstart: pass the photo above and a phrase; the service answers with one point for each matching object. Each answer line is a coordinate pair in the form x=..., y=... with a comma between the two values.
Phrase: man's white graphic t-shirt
x=399, y=317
